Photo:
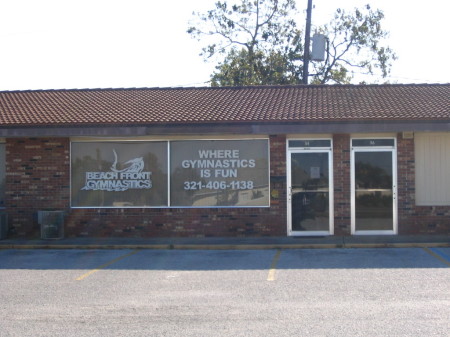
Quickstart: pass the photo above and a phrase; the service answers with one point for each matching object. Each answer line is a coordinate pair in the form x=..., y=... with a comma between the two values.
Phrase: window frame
x=168, y=141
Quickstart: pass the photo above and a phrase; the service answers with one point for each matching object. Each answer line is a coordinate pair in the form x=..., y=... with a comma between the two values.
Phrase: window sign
x=373, y=142
x=119, y=174
x=310, y=143
x=208, y=173
x=2, y=174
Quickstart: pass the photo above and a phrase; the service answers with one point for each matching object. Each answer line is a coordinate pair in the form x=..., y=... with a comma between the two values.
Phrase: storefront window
x=219, y=173
x=203, y=173
x=119, y=174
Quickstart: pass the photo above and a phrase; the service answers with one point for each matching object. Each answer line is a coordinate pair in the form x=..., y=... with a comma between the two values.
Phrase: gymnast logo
x=119, y=180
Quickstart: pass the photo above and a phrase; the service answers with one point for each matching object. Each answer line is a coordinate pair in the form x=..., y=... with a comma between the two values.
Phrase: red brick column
x=278, y=184
x=341, y=167
x=37, y=178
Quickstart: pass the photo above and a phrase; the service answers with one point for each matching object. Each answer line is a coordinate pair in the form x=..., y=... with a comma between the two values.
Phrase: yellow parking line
x=103, y=266
x=429, y=251
x=271, y=276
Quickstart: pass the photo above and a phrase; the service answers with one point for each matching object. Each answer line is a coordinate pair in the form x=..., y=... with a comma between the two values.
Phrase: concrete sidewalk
x=376, y=241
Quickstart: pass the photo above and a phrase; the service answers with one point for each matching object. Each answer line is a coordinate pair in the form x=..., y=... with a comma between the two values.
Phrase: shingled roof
x=263, y=104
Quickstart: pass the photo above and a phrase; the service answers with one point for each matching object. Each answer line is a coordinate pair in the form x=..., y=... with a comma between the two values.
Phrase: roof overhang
x=224, y=128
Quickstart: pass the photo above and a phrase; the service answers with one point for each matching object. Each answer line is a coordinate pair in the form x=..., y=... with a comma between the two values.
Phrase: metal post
x=307, y=43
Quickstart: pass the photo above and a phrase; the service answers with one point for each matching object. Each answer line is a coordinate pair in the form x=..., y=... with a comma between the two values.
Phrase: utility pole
x=307, y=43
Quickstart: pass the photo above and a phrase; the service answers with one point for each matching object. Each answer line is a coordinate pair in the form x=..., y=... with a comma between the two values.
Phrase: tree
x=257, y=42
x=354, y=43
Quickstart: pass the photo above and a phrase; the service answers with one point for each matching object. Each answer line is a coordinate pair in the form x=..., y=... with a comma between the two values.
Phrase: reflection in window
x=373, y=195
x=208, y=173
x=310, y=191
x=119, y=174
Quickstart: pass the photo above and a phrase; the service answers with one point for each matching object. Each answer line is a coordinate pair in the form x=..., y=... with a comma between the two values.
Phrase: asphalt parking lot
x=284, y=292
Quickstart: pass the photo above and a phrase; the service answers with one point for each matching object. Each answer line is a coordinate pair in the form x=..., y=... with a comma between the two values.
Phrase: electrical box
x=318, y=47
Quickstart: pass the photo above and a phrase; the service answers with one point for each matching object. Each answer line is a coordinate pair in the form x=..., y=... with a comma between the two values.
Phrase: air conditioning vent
x=52, y=224
x=3, y=225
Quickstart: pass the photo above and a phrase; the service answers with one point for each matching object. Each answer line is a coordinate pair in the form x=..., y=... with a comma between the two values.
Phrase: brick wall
x=38, y=178
x=341, y=176
x=414, y=219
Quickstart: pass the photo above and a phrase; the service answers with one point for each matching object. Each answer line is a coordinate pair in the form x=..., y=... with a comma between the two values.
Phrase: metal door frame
x=289, y=153
x=393, y=150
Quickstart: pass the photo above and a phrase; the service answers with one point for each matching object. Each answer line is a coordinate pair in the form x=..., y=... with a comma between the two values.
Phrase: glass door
x=374, y=208
x=309, y=192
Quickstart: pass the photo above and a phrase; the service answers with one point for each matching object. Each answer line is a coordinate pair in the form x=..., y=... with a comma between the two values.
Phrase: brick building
x=251, y=161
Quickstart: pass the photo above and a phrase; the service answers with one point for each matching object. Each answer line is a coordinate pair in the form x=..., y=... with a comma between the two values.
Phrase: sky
x=61, y=44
